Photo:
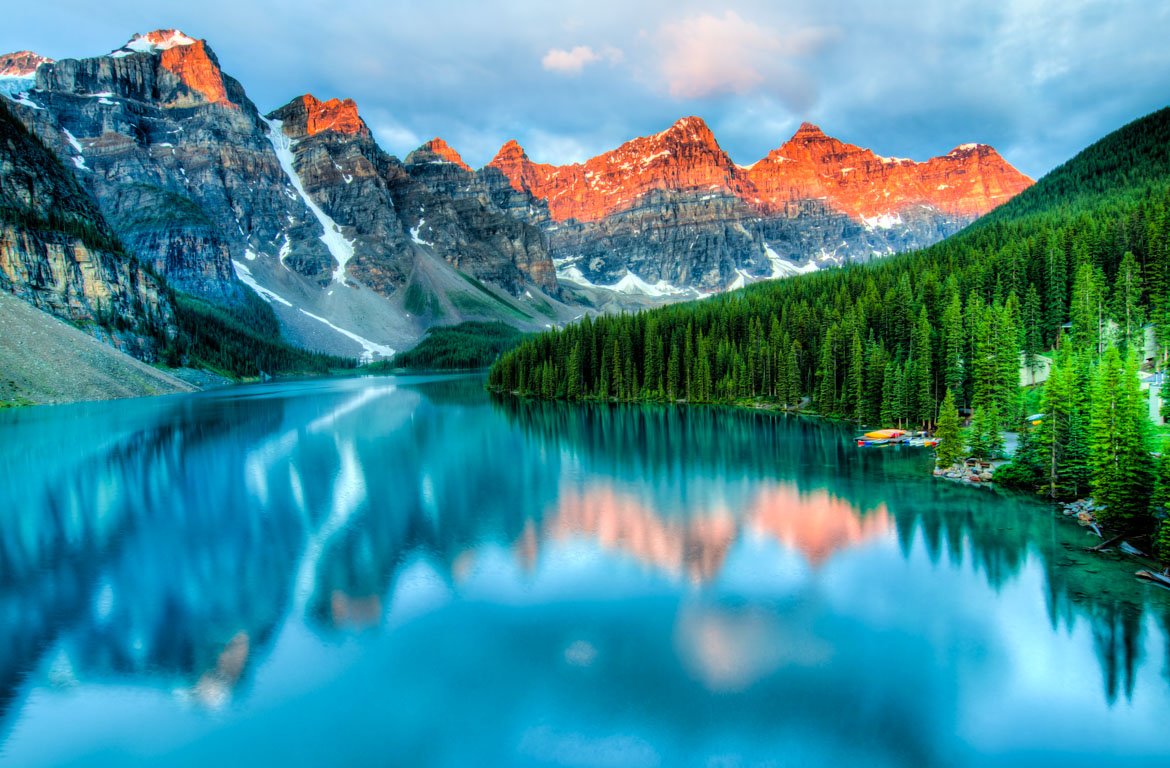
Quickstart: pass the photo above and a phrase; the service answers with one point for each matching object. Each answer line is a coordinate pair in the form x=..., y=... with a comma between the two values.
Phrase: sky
x=572, y=78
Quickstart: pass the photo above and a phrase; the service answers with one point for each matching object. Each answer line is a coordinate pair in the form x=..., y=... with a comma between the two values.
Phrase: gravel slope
x=43, y=360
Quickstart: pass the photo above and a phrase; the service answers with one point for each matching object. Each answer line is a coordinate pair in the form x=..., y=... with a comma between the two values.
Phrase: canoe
x=885, y=434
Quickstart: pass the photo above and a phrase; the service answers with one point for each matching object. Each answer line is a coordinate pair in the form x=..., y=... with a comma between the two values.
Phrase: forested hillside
x=1081, y=261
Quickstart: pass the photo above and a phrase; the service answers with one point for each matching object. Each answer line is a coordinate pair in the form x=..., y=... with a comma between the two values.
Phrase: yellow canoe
x=885, y=434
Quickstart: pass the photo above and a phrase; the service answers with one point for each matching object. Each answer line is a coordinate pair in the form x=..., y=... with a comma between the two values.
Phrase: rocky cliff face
x=58, y=253
x=469, y=229
x=173, y=152
x=673, y=211
x=389, y=214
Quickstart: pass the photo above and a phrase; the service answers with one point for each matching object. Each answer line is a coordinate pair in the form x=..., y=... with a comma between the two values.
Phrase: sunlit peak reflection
x=214, y=688
x=817, y=524
x=695, y=547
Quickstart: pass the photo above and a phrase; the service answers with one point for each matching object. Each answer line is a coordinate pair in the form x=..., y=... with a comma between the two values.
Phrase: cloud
x=571, y=62
x=390, y=133
x=708, y=55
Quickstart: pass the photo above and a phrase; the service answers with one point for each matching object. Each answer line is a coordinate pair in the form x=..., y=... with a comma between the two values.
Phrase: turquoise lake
x=409, y=572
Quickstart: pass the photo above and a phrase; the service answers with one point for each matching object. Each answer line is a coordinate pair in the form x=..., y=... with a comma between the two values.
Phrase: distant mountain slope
x=43, y=360
x=1127, y=160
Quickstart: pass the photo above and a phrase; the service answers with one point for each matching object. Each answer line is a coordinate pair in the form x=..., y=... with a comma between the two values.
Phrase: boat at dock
x=881, y=437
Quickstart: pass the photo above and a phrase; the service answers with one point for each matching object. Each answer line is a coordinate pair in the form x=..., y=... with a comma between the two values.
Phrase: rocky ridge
x=673, y=211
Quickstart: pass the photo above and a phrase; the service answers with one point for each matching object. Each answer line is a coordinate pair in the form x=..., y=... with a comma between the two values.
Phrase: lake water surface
x=406, y=572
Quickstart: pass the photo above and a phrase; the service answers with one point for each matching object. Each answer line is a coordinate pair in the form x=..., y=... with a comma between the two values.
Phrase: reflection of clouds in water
x=420, y=589
x=555, y=747
x=580, y=653
x=729, y=650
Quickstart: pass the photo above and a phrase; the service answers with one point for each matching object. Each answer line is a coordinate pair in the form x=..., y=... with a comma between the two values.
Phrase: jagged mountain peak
x=190, y=59
x=964, y=150
x=308, y=116
x=443, y=151
x=155, y=42
x=689, y=129
x=810, y=138
x=809, y=130
x=21, y=63
x=511, y=150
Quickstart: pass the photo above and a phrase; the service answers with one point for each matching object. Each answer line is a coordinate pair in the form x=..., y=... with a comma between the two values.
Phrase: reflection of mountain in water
x=168, y=540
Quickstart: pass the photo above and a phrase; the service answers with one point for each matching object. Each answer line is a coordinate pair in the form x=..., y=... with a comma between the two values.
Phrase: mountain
x=674, y=211
x=962, y=185
x=300, y=206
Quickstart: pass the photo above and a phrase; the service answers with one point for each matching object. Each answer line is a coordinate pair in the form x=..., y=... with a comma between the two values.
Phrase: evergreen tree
x=573, y=387
x=977, y=433
x=950, y=448
x=1032, y=321
x=921, y=376
x=1160, y=506
x=855, y=383
x=1127, y=291
x=953, y=344
x=1087, y=310
x=1026, y=470
x=1119, y=457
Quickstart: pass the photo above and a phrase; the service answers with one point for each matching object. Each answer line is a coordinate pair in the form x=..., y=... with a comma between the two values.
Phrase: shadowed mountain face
x=279, y=547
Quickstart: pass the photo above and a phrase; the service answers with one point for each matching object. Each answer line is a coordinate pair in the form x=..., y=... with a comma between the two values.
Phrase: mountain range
x=183, y=184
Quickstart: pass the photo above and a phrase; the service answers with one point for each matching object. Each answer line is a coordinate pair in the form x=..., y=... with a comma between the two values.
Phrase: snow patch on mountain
x=340, y=248
x=11, y=85
x=740, y=280
x=782, y=267
x=415, y=236
x=153, y=42
x=882, y=221
x=247, y=278
x=23, y=99
x=370, y=349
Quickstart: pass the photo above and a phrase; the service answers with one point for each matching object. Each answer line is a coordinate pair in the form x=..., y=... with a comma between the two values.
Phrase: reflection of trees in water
x=997, y=533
